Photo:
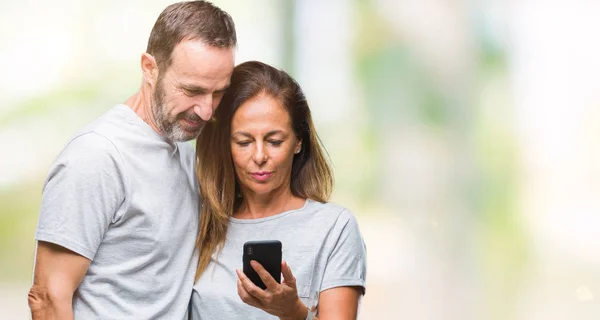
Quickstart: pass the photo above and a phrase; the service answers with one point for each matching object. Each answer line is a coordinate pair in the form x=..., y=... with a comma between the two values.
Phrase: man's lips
x=192, y=123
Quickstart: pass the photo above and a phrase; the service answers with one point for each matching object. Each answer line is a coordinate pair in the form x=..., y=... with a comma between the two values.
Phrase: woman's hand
x=280, y=300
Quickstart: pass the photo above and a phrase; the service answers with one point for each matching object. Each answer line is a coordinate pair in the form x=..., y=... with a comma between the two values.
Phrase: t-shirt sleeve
x=82, y=193
x=347, y=263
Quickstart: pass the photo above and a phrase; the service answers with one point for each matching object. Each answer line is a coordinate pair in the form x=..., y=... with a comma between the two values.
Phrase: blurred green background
x=465, y=135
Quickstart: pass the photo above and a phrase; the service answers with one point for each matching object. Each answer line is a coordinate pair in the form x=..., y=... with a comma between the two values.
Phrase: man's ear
x=149, y=69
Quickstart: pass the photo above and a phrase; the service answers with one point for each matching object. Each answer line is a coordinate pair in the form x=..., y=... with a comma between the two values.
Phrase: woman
x=272, y=183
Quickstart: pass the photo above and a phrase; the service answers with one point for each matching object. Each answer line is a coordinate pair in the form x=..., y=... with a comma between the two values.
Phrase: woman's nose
x=259, y=155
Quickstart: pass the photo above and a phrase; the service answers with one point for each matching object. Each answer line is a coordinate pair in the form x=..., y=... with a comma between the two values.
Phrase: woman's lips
x=261, y=176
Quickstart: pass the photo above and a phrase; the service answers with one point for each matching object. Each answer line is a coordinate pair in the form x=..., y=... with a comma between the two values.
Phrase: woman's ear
x=298, y=147
x=149, y=69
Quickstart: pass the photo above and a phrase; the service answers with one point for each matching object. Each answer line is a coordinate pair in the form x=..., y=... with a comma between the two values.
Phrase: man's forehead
x=194, y=63
x=190, y=53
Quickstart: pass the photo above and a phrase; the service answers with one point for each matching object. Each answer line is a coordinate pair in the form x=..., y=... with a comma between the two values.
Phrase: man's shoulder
x=108, y=124
x=88, y=149
x=101, y=134
x=94, y=141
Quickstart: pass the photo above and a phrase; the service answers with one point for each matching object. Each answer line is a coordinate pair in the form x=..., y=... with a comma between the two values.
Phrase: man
x=119, y=215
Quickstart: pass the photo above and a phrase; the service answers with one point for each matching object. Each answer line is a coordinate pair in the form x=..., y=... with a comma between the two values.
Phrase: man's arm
x=58, y=272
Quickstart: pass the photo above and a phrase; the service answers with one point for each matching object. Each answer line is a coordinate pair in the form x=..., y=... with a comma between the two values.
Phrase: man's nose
x=204, y=111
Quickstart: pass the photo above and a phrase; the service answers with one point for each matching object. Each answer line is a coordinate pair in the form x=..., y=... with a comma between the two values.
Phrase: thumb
x=288, y=277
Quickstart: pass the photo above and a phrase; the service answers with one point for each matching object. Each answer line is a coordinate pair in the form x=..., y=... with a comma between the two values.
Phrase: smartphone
x=268, y=254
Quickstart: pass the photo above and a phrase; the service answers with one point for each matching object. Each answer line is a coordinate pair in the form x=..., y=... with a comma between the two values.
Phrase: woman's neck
x=255, y=206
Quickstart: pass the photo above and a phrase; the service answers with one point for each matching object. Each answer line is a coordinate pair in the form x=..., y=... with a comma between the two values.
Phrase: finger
x=246, y=297
x=264, y=275
x=250, y=287
x=288, y=277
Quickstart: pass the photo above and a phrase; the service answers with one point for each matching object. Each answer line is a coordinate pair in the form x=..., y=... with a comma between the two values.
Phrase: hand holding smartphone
x=268, y=254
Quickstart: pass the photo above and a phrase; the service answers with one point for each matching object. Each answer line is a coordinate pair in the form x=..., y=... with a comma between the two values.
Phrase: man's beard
x=171, y=129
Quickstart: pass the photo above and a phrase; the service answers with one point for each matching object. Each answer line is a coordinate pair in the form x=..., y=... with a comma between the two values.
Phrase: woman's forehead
x=262, y=111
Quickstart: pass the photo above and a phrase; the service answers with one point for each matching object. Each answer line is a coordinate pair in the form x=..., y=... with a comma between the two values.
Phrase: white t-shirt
x=126, y=198
x=321, y=243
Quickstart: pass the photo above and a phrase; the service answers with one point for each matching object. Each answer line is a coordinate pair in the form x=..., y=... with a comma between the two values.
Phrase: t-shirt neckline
x=269, y=218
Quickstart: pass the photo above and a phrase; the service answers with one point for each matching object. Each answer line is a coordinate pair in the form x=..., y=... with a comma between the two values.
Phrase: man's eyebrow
x=193, y=88
x=223, y=88
x=200, y=89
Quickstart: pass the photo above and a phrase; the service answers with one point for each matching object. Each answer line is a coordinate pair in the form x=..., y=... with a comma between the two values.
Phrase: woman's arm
x=58, y=272
x=339, y=303
x=344, y=276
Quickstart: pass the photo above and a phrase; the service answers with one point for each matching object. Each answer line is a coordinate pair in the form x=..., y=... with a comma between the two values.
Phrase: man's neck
x=141, y=104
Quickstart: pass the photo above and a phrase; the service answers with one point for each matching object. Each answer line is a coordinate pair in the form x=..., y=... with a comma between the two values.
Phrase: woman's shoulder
x=340, y=220
x=331, y=209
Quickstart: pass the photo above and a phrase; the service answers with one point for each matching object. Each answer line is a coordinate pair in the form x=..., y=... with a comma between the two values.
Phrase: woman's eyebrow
x=242, y=133
x=247, y=134
x=274, y=132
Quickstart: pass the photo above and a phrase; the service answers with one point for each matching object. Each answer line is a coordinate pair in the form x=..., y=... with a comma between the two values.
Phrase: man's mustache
x=193, y=117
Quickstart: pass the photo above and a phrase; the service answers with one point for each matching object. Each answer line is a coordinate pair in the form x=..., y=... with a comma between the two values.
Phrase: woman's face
x=263, y=145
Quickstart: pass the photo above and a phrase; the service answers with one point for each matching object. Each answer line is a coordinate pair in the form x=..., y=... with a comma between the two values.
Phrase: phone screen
x=268, y=254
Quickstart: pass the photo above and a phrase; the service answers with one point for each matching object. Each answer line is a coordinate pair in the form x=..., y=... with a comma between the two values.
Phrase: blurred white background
x=465, y=135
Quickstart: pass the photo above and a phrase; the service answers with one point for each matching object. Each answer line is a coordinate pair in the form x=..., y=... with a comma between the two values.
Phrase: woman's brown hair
x=311, y=174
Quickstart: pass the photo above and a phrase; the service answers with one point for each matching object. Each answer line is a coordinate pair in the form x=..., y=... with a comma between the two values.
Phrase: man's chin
x=180, y=134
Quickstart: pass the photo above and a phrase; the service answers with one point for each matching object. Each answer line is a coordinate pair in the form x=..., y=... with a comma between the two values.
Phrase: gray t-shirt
x=124, y=197
x=321, y=243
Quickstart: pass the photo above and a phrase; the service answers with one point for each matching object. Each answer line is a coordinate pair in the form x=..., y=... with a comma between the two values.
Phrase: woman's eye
x=276, y=143
x=243, y=143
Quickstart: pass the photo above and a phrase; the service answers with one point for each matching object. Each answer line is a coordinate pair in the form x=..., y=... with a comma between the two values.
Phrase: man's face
x=190, y=89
